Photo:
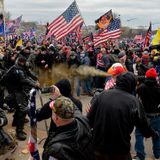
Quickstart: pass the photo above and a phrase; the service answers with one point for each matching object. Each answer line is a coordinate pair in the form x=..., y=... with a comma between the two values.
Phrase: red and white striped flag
x=32, y=142
x=113, y=31
x=148, y=37
x=65, y=23
x=78, y=33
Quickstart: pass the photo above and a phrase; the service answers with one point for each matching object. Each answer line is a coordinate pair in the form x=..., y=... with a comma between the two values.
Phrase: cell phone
x=48, y=89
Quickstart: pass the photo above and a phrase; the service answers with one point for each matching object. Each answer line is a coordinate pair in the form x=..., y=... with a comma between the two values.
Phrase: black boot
x=15, y=120
x=21, y=135
x=24, y=133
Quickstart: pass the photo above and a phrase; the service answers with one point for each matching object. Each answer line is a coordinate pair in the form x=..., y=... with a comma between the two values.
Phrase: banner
x=113, y=31
x=19, y=43
x=156, y=39
x=148, y=37
x=65, y=23
x=104, y=21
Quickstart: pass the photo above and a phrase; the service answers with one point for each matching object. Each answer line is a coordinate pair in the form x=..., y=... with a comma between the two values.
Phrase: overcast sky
x=142, y=11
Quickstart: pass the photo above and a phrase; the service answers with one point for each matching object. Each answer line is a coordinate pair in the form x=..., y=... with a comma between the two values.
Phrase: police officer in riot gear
x=19, y=81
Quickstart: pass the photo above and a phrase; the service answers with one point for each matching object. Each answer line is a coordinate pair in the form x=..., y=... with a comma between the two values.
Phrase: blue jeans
x=78, y=86
x=87, y=86
x=139, y=145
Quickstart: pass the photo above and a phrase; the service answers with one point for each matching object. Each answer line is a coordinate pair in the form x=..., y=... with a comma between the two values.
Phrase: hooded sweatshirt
x=149, y=93
x=113, y=115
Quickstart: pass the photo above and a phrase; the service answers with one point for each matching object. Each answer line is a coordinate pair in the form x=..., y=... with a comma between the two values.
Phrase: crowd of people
x=128, y=97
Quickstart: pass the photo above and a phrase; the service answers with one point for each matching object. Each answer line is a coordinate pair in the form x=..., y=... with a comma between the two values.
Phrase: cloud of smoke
x=61, y=71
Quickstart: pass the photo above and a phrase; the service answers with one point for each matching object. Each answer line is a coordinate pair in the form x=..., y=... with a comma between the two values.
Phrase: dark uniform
x=2, y=71
x=19, y=83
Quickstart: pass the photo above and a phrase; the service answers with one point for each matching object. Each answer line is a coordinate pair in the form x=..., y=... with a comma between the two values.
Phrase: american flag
x=65, y=23
x=148, y=37
x=32, y=33
x=32, y=142
x=12, y=25
x=88, y=38
x=78, y=33
x=18, y=21
x=113, y=31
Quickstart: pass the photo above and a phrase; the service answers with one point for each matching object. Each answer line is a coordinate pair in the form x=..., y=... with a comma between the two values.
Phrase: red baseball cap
x=116, y=69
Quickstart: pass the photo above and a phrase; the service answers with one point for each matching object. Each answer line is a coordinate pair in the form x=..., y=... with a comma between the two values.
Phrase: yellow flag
x=19, y=43
x=156, y=39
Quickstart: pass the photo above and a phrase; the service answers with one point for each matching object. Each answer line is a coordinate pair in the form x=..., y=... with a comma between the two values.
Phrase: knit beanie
x=151, y=73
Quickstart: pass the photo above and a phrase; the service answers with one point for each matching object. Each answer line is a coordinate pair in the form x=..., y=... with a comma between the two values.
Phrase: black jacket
x=70, y=142
x=46, y=112
x=113, y=115
x=17, y=78
x=149, y=93
x=141, y=68
x=46, y=57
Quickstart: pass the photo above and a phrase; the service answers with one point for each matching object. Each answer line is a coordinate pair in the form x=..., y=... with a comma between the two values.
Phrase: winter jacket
x=70, y=142
x=113, y=115
x=45, y=112
x=47, y=58
x=149, y=93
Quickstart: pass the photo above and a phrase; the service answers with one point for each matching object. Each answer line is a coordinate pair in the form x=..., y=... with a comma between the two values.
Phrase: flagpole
x=147, y=37
x=81, y=15
x=84, y=22
x=4, y=26
x=5, y=33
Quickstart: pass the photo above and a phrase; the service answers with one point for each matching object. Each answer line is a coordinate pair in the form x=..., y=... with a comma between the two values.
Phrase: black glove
x=37, y=87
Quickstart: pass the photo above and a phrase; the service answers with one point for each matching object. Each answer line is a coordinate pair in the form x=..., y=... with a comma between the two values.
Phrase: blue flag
x=1, y=25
